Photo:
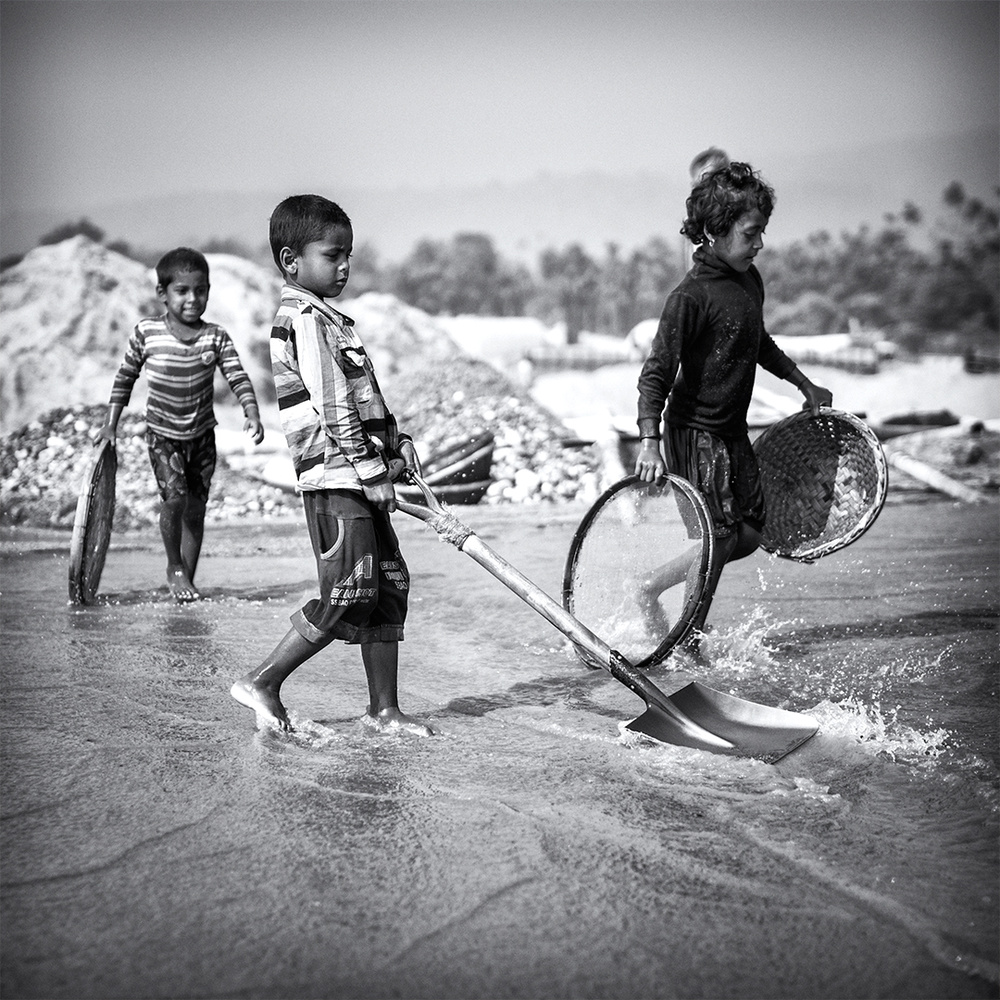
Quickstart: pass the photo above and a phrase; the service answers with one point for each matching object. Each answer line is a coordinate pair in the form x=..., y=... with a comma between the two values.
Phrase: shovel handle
x=467, y=541
x=664, y=720
x=536, y=598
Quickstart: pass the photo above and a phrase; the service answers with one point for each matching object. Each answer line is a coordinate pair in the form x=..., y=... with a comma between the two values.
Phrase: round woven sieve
x=825, y=480
x=638, y=565
x=95, y=512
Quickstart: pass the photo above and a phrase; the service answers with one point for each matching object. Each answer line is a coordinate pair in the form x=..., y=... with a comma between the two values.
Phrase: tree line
x=923, y=283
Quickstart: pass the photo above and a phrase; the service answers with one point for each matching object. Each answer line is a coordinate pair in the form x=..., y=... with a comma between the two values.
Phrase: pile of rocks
x=43, y=465
x=441, y=405
x=443, y=396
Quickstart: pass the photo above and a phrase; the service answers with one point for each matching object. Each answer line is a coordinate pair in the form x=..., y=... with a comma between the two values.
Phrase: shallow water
x=155, y=843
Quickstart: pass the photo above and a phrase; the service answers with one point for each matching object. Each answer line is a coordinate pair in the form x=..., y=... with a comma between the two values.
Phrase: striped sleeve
x=229, y=363
x=131, y=366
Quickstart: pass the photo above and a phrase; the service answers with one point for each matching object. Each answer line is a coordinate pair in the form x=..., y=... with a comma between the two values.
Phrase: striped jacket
x=181, y=377
x=336, y=421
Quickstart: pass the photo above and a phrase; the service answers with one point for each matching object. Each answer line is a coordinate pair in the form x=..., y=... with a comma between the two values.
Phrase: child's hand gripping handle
x=382, y=494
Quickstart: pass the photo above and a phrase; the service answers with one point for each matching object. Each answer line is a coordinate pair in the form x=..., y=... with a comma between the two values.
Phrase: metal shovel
x=695, y=716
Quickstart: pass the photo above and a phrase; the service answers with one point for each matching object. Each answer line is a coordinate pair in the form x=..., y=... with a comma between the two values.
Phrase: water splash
x=741, y=650
x=305, y=733
x=880, y=730
x=848, y=697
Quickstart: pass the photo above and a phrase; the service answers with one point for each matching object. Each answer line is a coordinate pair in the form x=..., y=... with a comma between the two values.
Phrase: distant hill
x=836, y=190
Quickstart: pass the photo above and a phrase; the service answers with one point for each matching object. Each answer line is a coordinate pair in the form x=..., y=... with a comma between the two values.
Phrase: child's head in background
x=706, y=161
x=182, y=284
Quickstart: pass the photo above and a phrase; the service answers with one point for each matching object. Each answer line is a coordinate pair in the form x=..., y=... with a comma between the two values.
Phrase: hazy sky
x=102, y=102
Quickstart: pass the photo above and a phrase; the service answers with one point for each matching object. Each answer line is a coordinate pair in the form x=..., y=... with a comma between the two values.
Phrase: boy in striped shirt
x=347, y=450
x=180, y=354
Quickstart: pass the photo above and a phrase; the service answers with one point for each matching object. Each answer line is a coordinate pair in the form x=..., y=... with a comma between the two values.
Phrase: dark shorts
x=363, y=581
x=182, y=468
x=724, y=472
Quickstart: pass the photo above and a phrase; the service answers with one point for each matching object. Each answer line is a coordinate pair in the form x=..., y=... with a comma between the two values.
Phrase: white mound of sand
x=397, y=336
x=67, y=312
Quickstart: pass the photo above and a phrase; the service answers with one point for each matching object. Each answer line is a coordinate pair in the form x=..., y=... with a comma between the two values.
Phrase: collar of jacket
x=293, y=293
x=710, y=264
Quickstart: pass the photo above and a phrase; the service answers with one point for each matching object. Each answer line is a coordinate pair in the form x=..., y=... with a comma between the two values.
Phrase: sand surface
x=156, y=844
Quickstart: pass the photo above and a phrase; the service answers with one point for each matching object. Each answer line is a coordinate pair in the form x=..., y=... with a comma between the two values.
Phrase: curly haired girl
x=702, y=364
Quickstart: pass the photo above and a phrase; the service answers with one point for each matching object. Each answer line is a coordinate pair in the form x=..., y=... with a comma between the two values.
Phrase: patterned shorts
x=724, y=472
x=182, y=468
x=364, y=583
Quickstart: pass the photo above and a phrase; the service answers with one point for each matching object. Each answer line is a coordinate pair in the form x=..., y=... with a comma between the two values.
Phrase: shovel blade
x=664, y=728
x=750, y=730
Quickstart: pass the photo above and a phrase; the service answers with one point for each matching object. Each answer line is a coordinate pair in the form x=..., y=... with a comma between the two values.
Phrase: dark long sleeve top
x=703, y=359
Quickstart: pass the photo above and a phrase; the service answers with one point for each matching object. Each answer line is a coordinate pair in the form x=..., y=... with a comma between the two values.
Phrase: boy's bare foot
x=264, y=702
x=180, y=586
x=392, y=719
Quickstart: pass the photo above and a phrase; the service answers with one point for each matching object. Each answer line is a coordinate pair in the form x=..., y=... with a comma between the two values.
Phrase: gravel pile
x=534, y=460
x=43, y=464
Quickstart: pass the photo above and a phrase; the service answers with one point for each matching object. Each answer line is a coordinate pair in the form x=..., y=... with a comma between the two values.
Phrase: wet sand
x=156, y=844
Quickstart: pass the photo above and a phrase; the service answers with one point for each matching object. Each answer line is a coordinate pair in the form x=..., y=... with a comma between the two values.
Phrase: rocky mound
x=43, y=465
x=443, y=396
x=534, y=459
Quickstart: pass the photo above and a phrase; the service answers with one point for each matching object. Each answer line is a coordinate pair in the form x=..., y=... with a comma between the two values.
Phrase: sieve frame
x=781, y=466
x=91, y=534
x=682, y=627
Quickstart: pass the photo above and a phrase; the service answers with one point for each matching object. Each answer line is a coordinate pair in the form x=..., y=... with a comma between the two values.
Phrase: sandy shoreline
x=157, y=845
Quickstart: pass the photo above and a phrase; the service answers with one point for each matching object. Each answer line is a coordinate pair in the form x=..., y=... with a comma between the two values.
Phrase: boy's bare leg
x=723, y=553
x=171, y=527
x=666, y=576
x=192, y=534
x=743, y=542
x=381, y=661
x=259, y=688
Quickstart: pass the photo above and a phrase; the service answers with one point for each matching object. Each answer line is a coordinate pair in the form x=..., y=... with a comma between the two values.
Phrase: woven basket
x=825, y=480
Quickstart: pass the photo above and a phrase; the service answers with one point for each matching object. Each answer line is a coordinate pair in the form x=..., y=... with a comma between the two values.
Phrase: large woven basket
x=825, y=480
